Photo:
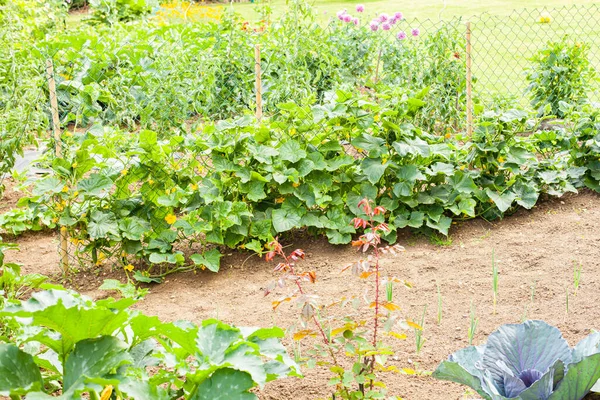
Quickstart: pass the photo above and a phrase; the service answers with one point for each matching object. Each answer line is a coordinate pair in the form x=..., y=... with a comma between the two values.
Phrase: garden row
x=147, y=201
x=163, y=77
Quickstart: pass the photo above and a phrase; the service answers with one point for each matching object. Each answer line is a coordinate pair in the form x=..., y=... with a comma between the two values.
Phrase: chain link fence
x=133, y=107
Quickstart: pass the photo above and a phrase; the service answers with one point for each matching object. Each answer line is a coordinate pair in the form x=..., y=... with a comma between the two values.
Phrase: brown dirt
x=533, y=248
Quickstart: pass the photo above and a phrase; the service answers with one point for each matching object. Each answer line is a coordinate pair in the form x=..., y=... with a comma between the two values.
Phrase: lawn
x=505, y=33
x=426, y=9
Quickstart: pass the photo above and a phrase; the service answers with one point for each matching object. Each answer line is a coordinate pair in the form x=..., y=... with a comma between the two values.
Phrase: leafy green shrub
x=141, y=198
x=561, y=72
x=75, y=346
x=113, y=11
x=527, y=361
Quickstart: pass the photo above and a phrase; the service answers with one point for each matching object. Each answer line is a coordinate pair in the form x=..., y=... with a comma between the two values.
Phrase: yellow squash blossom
x=106, y=393
x=129, y=267
x=170, y=218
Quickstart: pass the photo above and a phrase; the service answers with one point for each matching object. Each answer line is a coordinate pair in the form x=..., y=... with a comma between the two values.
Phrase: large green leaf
x=142, y=390
x=461, y=367
x=134, y=227
x=18, y=372
x=102, y=224
x=226, y=384
x=285, y=220
x=371, y=144
x=373, y=168
x=291, y=151
x=93, y=358
x=95, y=185
x=210, y=259
x=72, y=319
x=579, y=379
x=502, y=200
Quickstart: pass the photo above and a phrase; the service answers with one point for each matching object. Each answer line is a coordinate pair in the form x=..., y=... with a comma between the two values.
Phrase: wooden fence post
x=469, y=82
x=64, y=257
x=258, y=83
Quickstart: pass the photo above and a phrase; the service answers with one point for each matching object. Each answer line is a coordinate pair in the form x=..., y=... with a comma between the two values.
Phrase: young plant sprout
x=361, y=341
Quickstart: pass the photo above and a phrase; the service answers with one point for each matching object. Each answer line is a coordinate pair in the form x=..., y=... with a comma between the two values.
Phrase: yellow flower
x=292, y=131
x=129, y=267
x=376, y=118
x=124, y=172
x=55, y=219
x=170, y=218
x=65, y=189
x=295, y=184
x=76, y=193
x=151, y=181
x=74, y=165
x=462, y=168
x=545, y=18
x=279, y=200
x=193, y=186
x=107, y=392
x=448, y=135
x=501, y=159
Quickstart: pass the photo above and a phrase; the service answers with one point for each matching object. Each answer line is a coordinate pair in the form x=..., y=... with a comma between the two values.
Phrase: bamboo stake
x=469, y=83
x=64, y=259
x=258, y=84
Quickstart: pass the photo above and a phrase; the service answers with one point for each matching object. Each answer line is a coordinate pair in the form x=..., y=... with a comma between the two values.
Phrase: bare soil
x=534, y=249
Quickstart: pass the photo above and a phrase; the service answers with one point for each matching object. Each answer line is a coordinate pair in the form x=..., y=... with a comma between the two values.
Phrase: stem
x=376, y=295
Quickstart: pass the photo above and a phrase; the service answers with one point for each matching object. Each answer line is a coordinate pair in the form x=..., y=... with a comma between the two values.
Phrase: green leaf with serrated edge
x=226, y=384
x=285, y=220
x=291, y=151
x=93, y=358
x=95, y=185
x=102, y=224
x=67, y=314
x=373, y=168
x=502, y=201
x=18, y=372
x=134, y=227
x=210, y=259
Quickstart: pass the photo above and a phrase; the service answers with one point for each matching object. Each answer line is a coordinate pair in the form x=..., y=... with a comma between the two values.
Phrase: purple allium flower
x=398, y=16
x=355, y=21
x=347, y=18
x=374, y=25
x=360, y=8
x=416, y=32
x=383, y=17
x=386, y=27
x=340, y=14
x=401, y=35
x=392, y=21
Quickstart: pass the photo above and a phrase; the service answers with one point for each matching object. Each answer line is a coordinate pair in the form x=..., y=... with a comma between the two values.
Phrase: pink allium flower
x=392, y=21
x=401, y=35
x=340, y=14
x=347, y=18
x=386, y=27
x=360, y=8
x=374, y=25
x=355, y=21
x=416, y=32
x=398, y=16
x=383, y=17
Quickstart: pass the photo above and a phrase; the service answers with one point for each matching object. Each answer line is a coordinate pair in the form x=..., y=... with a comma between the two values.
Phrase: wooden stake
x=377, y=66
x=469, y=82
x=63, y=234
x=258, y=84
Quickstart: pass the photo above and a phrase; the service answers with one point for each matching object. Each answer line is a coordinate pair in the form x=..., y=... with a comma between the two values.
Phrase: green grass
x=505, y=34
x=424, y=9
